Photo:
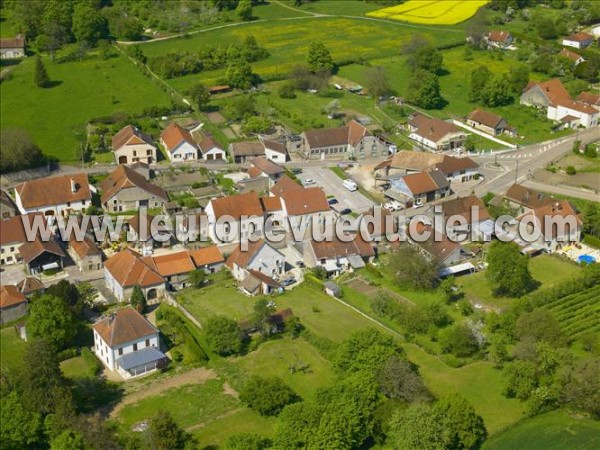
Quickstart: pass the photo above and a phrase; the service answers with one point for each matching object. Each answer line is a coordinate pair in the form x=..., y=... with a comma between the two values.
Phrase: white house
x=240, y=215
x=210, y=150
x=179, y=143
x=435, y=134
x=259, y=266
x=128, y=344
x=275, y=151
x=578, y=40
x=573, y=114
x=338, y=255
x=13, y=48
x=56, y=196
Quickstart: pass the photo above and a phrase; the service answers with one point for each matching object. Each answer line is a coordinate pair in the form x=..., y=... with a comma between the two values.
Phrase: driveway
x=332, y=184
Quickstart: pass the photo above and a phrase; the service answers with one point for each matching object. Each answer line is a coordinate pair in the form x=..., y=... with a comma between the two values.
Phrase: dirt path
x=196, y=376
x=222, y=416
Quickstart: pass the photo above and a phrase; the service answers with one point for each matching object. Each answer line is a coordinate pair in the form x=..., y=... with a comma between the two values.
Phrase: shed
x=332, y=289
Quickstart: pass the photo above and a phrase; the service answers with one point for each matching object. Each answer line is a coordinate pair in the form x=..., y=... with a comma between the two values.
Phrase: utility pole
x=517, y=171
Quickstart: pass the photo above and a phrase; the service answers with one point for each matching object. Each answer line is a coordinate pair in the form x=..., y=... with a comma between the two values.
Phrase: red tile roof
x=305, y=201
x=580, y=37
x=130, y=135
x=267, y=166
x=207, y=256
x=422, y=182
x=485, y=118
x=351, y=134
x=271, y=204
x=498, y=36
x=54, y=190
x=171, y=263
x=247, y=204
x=462, y=207
x=30, y=285
x=285, y=184
x=128, y=269
x=124, y=177
x=86, y=247
x=590, y=98
x=242, y=258
x=16, y=42
x=10, y=296
x=123, y=326
x=12, y=230
x=337, y=248
x=566, y=53
x=31, y=250
x=174, y=135
x=431, y=128
x=553, y=89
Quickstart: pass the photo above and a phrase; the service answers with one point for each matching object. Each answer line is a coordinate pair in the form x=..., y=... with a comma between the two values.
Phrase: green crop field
x=55, y=117
x=556, y=430
x=288, y=40
x=578, y=313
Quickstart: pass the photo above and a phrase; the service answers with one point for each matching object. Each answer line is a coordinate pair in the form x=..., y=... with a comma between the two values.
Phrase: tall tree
x=138, y=299
x=399, y=381
x=239, y=75
x=199, y=95
x=479, y=78
x=51, y=319
x=498, y=91
x=41, y=74
x=426, y=58
x=365, y=350
x=424, y=90
x=165, y=434
x=519, y=77
x=68, y=439
x=377, y=82
x=412, y=268
x=268, y=396
x=21, y=426
x=89, y=24
x=244, y=10
x=263, y=309
x=508, y=270
x=18, y=151
x=223, y=335
x=319, y=58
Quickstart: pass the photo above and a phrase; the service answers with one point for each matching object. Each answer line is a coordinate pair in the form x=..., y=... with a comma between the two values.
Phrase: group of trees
x=425, y=61
x=18, y=151
x=508, y=271
x=176, y=64
x=497, y=89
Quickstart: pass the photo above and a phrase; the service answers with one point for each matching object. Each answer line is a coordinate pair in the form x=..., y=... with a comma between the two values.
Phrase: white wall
x=183, y=152
x=109, y=355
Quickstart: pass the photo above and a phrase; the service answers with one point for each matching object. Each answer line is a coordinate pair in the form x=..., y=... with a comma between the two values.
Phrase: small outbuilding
x=332, y=289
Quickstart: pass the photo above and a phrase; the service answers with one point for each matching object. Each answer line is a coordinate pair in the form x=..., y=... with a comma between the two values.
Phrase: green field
x=287, y=42
x=546, y=269
x=55, y=117
x=240, y=420
x=578, y=313
x=556, y=430
x=479, y=383
x=12, y=349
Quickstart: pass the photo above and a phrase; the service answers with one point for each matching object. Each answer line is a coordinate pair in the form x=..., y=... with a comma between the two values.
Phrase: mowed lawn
x=546, y=269
x=479, y=383
x=277, y=358
x=320, y=313
x=214, y=433
x=556, y=430
x=56, y=117
x=288, y=41
x=12, y=349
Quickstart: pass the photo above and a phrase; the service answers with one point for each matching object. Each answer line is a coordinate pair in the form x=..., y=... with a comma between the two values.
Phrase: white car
x=393, y=206
x=309, y=182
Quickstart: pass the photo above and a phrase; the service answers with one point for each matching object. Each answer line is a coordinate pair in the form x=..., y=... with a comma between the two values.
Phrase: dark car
x=300, y=264
x=345, y=211
x=288, y=282
x=332, y=201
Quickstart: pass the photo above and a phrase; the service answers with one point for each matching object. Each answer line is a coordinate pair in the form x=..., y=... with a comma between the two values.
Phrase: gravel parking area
x=332, y=184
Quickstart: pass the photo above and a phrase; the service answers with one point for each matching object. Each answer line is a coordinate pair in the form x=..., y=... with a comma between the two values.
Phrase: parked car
x=296, y=171
x=288, y=282
x=345, y=211
x=393, y=206
x=309, y=182
x=350, y=185
x=332, y=201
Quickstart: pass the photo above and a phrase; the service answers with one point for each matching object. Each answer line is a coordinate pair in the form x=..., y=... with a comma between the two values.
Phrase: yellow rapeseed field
x=436, y=12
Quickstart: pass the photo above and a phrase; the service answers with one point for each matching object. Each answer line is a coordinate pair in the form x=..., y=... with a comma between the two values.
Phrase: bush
x=268, y=396
x=571, y=170
x=91, y=360
x=286, y=90
x=67, y=354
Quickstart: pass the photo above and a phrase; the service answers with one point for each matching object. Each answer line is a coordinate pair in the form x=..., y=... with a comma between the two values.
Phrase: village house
x=522, y=199
x=85, y=253
x=126, y=190
x=553, y=96
x=175, y=268
x=130, y=145
x=208, y=258
x=275, y=151
x=263, y=167
x=7, y=206
x=435, y=134
x=458, y=170
x=499, y=39
x=350, y=141
x=210, y=150
x=240, y=215
x=379, y=223
x=258, y=267
x=30, y=286
x=12, y=48
x=125, y=270
x=301, y=204
x=547, y=218
x=476, y=219
x=179, y=143
x=489, y=123
x=39, y=256
x=13, y=304
x=146, y=238
x=591, y=99
x=578, y=40
x=128, y=344
x=419, y=188
x=242, y=152
x=444, y=251
x=337, y=255
x=13, y=235
x=575, y=58
x=55, y=196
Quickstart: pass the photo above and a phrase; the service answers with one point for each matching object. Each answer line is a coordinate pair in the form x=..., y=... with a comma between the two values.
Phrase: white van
x=350, y=185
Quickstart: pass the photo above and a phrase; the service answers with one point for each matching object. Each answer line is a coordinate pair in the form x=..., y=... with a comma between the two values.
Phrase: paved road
x=528, y=160
x=564, y=190
x=332, y=184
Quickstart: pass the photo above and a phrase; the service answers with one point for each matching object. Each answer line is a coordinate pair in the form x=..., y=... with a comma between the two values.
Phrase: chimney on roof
x=73, y=185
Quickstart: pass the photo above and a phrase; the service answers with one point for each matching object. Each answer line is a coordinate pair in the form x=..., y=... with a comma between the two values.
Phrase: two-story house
x=85, y=253
x=419, y=188
x=337, y=255
x=435, y=134
x=126, y=190
x=130, y=145
x=126, y=269
x=258, y=267
x=55, y=196
x=128, y=344
x=240, y=216
x=179, y=143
